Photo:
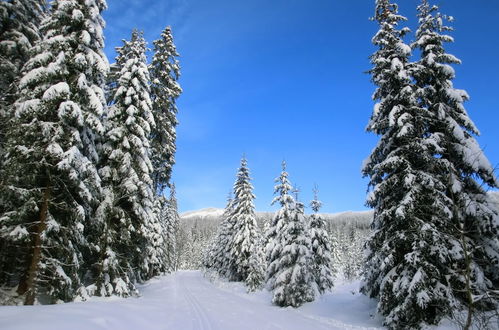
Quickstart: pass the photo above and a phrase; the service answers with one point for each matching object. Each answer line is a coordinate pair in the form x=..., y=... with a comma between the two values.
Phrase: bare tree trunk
x=22, y=287
x=37, y=250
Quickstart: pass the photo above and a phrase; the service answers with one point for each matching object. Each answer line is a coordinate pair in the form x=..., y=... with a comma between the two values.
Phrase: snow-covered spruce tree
x=288, y=250
x=410, y=257
x=172, y=228
x=351, y=247
x=217, y=256
x=51, y=142
x=19, y=32
x=461, y=160
x=156, y=244
x=335, y=253
x=165, y=72
x=245, y=235
x=256, y=275
x=322, y=252
x=127, y=216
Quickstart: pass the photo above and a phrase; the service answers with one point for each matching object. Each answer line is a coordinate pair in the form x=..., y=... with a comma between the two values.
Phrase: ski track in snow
x=200, y=317
x=186, y=300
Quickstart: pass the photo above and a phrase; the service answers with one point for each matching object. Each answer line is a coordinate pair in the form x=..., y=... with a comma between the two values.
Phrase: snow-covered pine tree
x=256, y=267
x=288, y=250
x=165, y=72
x=410, y=253
x=245, y=235
x=172, y=228
x=461, y=161
x=208, y=253
x=322, y=252
x=286, y=201
x=216, y=257
x=156, y=245
x=127, y=215
x=51, y=142
x=19, y=32
x=336, y=250
x=352, y=253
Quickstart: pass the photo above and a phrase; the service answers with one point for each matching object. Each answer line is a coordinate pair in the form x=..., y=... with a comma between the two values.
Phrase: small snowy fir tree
x=165, y=72
x=461, y=161
x=322, y=252
x=288, y=250
x=351, y=253
x=128, y=216
x=410, y=256
x=51, y=142
x=218, y=257
x=334, y=245
x=245, y=233
x=172, y=228
x=256, y=268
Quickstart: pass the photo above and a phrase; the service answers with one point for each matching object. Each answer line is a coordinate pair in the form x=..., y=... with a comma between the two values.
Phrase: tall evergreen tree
x=19, y=32
x=410, y=253
x=322, y=252
x=127, y=216
x=165, y=72
x=464, y=167
x=288, y=250
x=51, y=143
x=245, y=233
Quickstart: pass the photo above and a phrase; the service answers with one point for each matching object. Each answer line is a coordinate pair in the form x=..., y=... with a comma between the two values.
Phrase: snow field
x=187, y=300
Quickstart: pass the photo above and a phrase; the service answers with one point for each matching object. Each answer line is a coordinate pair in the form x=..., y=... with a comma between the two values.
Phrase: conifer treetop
x=316, y=204
x=282, y=188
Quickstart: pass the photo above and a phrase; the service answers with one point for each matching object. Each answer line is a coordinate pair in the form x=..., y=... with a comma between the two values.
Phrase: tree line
x=347, y=232
x=86, y=154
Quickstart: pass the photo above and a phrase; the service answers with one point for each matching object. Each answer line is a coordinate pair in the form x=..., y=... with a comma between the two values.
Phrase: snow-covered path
x=187, y=300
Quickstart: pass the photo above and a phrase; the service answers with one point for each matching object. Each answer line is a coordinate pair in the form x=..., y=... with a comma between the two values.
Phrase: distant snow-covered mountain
x=214, y=216
x=210, y=212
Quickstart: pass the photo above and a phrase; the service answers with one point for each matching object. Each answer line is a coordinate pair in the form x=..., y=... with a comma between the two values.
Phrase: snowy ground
x=187, y=300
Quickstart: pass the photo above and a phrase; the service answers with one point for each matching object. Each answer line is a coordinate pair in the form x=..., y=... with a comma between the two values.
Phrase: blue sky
x=284, y=79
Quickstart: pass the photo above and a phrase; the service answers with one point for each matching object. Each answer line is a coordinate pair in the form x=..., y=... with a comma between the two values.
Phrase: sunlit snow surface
x=187, y=300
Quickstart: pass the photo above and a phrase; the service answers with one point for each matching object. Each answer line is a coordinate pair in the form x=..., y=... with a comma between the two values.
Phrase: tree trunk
x=469, y=293
x=37, y=250
x=102, y=256
x=22, y=287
